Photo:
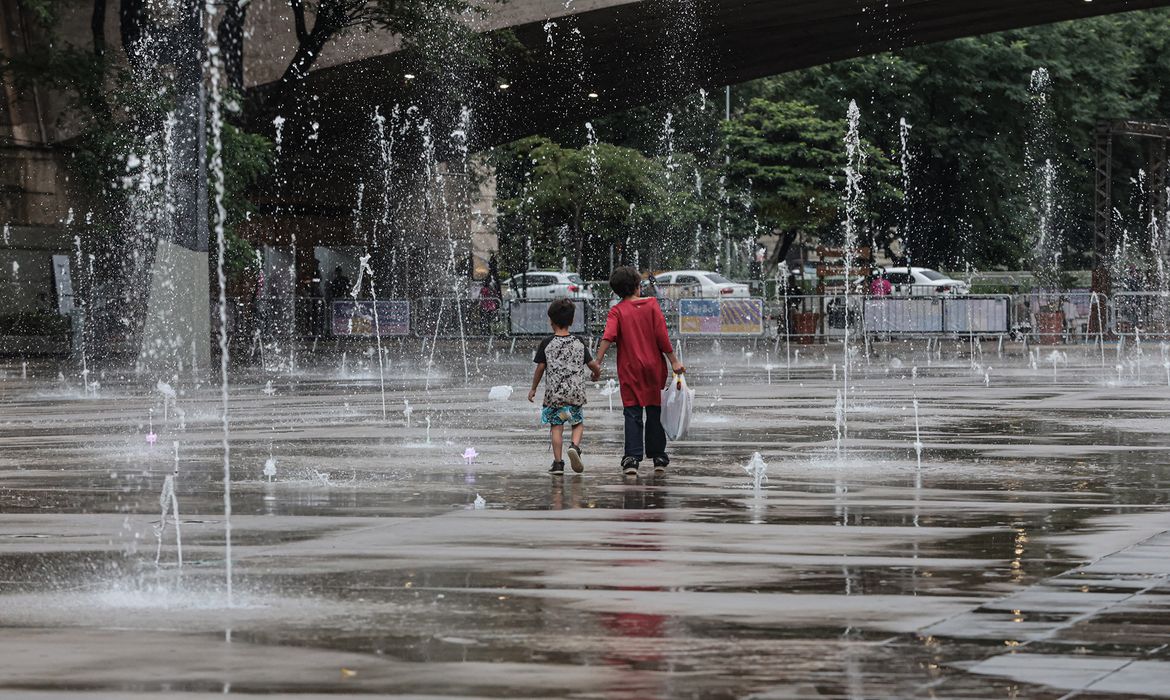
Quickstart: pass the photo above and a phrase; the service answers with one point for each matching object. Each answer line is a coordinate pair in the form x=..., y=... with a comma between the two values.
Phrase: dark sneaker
x=661, y=463
x=630, y=466
x=558, y=468
x=575, y=458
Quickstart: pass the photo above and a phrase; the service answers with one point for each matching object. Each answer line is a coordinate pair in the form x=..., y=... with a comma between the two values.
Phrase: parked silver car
x=546, y=285
x=703, y=284
x=921, y=281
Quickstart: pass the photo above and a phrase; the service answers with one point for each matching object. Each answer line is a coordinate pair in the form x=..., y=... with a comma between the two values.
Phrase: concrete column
x=176, y=337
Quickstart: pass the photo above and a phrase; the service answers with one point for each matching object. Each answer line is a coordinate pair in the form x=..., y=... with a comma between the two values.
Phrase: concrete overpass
x=610, y=55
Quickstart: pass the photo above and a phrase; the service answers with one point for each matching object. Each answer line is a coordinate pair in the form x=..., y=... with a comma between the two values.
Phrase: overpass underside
x=600, y=61
x=643, y=52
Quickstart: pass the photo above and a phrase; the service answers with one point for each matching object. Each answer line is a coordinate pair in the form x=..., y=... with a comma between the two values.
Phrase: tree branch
x=298, y=9
x=332, y=17
x=97, y=26
x=132, y=17
x=230, y=35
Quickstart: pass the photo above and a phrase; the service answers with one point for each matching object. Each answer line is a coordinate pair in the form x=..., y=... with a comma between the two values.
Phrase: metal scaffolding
x=1156, y=135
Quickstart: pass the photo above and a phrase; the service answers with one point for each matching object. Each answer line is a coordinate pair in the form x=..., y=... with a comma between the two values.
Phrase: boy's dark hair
x=624, y=281
x=561, y=312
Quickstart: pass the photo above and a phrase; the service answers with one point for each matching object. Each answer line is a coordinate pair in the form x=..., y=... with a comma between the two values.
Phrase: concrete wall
x=31, y=207
x=30, y=285
x=32, y=184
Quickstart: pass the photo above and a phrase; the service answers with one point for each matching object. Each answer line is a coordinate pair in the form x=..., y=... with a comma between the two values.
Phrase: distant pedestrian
x=651, y=286
x=794, y=302
x=316, y=282
x=561, y=361
x=756, y=266
x=316, y=301
x=880, y=285
x=494, y=274
x=793, y=291
x=636, y=325
x=339, y=285
x=489, y=304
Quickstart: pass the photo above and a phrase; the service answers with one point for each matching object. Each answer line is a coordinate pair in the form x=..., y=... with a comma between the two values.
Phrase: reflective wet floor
x=1027, y=555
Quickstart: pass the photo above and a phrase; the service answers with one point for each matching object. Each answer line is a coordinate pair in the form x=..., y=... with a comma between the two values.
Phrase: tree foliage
x=968, y=103
x=584, y=204
x=247, y=158
x=794, y=159
x=568, y=202
x=970, y=197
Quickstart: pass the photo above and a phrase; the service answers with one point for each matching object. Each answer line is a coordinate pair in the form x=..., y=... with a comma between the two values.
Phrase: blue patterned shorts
x=562, y=415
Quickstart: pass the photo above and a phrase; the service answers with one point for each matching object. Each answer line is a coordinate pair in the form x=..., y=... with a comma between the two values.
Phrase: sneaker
x=575, y=458
x=558, y=468
x=630, y=466
x=661, y=463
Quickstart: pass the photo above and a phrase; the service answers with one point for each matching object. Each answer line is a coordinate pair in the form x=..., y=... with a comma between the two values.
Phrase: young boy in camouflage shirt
x=561, y=360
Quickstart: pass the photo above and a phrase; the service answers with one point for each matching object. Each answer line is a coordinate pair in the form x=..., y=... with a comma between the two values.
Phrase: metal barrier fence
x=815, y=318
x=443, y=317
x=674, y=292
x=597, y=312
x=1046, y=318
x=1052, y=317
x=531, y=317
x=1140, y=314
x=891, y=315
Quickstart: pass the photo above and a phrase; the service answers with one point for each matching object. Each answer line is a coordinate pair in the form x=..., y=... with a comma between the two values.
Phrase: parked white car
x=546, y=285
x=700, y=283
x=921, y=281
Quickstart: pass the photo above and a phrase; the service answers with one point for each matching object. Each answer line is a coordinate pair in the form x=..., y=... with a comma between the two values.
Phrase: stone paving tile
x=1072, y=672
x=848, y=576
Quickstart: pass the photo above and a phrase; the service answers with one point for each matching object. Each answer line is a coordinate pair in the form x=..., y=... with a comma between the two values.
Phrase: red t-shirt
x=638, y=329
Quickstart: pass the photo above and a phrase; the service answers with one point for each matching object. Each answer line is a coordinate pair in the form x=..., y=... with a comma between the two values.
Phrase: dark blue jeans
x=649, y=434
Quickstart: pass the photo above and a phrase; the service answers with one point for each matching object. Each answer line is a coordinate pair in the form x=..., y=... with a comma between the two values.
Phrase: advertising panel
x=721, y=316
x=356, y=318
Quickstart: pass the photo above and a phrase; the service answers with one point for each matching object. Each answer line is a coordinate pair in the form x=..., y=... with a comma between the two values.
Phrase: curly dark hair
x=624, y=281
x=561, y=312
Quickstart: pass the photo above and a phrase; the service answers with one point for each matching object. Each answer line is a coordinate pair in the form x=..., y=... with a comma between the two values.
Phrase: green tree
x=968, y=103
x=247, y=158
x=571, y=203
x=794, y=161
x=790, y=156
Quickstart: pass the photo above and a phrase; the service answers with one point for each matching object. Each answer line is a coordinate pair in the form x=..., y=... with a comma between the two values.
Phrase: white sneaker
x=574, y=453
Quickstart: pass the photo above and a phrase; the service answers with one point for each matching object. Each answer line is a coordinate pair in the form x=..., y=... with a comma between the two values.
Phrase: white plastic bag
x=677, y=401
x=500, y=393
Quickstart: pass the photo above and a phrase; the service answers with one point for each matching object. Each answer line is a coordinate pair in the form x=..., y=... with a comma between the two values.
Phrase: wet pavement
x=1027, y=556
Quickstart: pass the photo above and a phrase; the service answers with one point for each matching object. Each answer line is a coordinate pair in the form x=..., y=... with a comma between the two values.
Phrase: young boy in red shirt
x=637, y=327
